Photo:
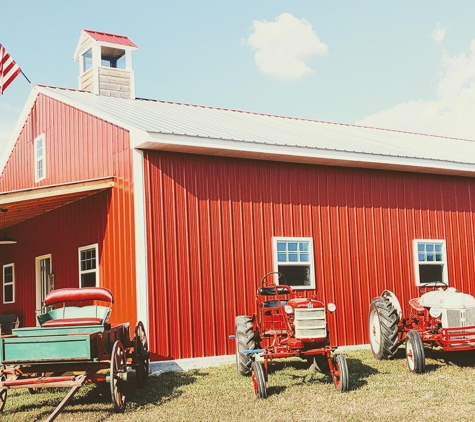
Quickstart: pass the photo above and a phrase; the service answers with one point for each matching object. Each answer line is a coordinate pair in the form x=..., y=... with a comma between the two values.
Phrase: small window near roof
x=8, y=283
x=88, y=268
x=430, y=258
x=87, y=60
x=293, y=257
x=40, y=158
x=113, y=57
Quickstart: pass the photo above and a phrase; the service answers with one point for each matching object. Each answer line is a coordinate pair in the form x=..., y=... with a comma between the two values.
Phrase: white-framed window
x=430, y=261
x=293, y=257
x=40, y=158
x=88, y=266
x=8, y=283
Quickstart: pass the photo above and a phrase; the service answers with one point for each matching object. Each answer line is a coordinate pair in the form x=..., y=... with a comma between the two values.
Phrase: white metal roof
x=192, y=125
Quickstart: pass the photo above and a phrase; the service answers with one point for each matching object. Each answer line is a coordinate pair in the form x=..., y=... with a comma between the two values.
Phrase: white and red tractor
x=286, y=324
x=440, y=317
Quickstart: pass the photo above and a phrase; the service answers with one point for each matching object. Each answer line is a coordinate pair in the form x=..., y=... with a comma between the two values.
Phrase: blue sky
x=407, y=65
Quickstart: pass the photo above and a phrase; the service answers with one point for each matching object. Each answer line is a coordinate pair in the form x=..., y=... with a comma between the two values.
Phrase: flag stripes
x=9, y=70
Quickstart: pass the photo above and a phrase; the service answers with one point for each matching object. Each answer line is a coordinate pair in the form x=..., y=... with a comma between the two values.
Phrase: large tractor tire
x=383, y=328
x=245, y=340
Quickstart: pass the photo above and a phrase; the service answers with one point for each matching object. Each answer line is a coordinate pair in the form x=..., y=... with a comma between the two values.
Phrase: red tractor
x=286, y=325
x=440, y=317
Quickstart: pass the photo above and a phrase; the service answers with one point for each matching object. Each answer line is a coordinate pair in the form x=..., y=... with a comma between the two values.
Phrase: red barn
x=181, y=209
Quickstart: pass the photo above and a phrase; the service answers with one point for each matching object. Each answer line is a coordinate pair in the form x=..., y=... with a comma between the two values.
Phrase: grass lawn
x=379, y=391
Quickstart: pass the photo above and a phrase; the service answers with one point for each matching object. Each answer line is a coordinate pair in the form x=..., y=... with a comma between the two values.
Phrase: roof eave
x=297, y=154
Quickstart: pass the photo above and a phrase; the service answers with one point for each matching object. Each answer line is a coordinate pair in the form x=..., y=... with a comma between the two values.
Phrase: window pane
x=438, y=248
x=293, y=257
x=438, y=257
x=422, y=257
x=8, y=293
x=7, y=274
x=88, y=280
x=88, y=260
x=281, y=246
x=420, y=247
x=430, y=257
x=296, y=275
x=303, y=246
x=292, y=246
x=282, y=257
x=304, y=257
x=430, y=273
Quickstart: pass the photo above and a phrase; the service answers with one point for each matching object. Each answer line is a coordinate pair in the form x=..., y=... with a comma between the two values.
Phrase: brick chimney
x=105, y=64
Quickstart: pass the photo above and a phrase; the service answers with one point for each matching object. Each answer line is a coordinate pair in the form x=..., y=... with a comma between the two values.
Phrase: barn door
x=44, y=279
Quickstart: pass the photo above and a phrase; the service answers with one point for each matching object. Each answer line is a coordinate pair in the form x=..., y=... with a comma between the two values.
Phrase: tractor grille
x=460, y=317
x=310, y=323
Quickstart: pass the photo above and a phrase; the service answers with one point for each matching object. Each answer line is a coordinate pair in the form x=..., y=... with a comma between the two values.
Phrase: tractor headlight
x=288, y=309
x=435, y=312
x=331, y=307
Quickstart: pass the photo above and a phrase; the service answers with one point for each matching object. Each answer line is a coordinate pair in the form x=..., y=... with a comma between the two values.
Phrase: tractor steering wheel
x=280, y=279
x=424, y=288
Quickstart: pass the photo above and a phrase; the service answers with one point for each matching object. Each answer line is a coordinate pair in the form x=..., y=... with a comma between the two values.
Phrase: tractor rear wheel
x=340, y=374
x=416, y=360
x=383, y=328
x=259, y=380
x=245, y=340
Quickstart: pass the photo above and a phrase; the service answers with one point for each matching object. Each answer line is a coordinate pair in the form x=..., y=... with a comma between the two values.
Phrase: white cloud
x=451, y=114
x=283, y=47
x=438, y=33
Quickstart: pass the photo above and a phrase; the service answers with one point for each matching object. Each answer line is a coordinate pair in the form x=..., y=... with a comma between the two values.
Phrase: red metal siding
x=212, y=220
x=78, y=147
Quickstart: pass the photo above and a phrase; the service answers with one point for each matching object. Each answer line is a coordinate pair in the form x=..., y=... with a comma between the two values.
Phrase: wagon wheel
x=118, y=376
x=3, y=394
x=141, y=354
x=259, y=380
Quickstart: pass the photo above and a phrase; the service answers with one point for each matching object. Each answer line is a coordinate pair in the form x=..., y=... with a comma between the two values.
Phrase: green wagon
x=74, y=345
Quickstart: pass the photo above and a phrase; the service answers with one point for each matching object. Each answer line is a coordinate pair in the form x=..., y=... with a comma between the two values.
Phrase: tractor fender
x=394, y=301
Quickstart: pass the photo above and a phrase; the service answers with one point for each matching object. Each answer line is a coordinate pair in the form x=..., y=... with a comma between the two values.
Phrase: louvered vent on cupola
x=105, y=64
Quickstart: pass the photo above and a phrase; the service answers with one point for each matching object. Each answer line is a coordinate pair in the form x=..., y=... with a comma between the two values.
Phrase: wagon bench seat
x=72, y=322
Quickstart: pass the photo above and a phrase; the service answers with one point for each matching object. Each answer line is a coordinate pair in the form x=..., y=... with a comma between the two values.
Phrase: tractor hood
x=301, y=302
x=450, y=298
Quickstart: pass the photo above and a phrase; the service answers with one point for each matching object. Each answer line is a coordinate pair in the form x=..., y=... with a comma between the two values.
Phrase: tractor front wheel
x=259, y=380
x=383, y=328
x=340, y=375
x=416, y=360
x=245, y=340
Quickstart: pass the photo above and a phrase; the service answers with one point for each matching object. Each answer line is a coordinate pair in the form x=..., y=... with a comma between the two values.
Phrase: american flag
x=9, y=70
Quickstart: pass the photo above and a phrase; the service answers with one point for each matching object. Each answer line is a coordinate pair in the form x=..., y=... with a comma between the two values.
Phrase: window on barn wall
x=40, y=158
x=88, y=268
x=293, y=257
x=430, y=258
x=8, y=283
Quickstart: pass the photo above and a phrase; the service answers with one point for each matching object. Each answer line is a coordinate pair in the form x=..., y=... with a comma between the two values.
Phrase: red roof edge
x=110, y=38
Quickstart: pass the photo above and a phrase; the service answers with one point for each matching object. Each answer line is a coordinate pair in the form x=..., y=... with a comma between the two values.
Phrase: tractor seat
x=71, y=322
x=272, y=291
x=416, y=304
x=273, y=303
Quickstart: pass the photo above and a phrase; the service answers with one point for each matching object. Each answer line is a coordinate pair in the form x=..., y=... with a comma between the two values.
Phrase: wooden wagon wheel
x=3, y=394
x=141, y=354
x=118, y=376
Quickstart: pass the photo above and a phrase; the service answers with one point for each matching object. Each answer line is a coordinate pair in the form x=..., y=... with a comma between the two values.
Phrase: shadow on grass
x=357, y=370
x=96, y=398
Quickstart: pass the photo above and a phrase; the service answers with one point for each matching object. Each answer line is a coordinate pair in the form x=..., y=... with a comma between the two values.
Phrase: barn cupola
x=105, y=64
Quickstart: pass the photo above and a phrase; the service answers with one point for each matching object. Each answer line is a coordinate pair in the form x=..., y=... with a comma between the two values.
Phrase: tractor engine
x=308, y=317
x=453, y=308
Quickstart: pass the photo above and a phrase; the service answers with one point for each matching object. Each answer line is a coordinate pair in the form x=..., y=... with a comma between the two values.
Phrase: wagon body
x=71, y=345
